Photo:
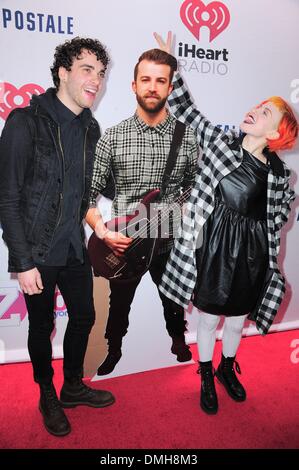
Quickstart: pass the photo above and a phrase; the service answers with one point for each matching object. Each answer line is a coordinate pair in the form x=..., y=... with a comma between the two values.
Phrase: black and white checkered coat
x=222, y=154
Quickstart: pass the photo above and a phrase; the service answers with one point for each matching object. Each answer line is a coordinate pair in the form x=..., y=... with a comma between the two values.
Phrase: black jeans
x=121, y=298
x=76, y=286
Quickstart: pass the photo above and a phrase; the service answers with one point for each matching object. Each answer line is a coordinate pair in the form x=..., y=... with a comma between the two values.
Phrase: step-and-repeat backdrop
x=232, y=53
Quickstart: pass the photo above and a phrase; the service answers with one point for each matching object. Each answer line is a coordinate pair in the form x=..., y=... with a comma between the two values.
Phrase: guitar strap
x=177, y=138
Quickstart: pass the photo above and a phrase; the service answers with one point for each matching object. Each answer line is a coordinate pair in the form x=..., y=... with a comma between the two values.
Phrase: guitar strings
x=158, y=220
x=165, y=211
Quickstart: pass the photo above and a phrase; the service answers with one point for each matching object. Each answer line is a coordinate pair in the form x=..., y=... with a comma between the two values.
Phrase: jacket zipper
x=63, y=168
x=84, y=163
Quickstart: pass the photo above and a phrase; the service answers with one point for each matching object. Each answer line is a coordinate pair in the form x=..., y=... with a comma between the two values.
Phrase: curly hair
x=68, y=51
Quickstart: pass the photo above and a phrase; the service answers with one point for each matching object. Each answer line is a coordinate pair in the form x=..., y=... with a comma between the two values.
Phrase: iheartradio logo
x=12, y=97
x=195, y=14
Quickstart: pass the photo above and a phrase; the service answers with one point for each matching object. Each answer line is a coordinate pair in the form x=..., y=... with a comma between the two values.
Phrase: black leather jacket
x=31, y=180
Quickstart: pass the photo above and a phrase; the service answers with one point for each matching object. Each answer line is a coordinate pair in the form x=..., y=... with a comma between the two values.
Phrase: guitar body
x=137, y=257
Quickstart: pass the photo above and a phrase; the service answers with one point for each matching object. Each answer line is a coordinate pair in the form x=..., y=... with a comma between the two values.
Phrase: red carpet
x=160, y=409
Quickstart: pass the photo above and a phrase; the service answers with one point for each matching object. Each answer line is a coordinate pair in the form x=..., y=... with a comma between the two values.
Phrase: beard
x=153, y=107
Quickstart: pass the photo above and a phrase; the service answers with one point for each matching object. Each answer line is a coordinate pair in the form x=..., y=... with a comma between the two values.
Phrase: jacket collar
x=46, y=103
x=275, y=162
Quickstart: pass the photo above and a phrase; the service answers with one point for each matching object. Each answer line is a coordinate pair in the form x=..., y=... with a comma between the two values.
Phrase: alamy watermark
x=294, y=357
x=163, y=221
x=294, y=97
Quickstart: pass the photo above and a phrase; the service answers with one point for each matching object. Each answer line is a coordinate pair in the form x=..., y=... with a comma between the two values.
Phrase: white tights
x=206, y=335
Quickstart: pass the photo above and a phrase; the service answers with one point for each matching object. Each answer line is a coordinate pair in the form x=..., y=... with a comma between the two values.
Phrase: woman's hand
x=164, y=46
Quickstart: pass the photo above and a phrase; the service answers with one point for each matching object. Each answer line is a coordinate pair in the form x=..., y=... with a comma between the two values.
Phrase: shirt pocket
x=45, y=157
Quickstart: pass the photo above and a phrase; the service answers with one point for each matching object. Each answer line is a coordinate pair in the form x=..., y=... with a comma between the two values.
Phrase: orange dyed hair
x=288, y=126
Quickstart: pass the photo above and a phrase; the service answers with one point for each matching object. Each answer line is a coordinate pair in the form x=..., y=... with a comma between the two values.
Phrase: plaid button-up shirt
x=222, y=154
x=137, y=154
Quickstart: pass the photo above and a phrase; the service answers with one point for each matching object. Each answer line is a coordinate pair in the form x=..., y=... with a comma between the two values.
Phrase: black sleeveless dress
x=233, y=259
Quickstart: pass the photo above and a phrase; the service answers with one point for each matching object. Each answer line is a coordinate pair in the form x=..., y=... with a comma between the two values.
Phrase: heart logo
x=12, y=97
x=195, y=14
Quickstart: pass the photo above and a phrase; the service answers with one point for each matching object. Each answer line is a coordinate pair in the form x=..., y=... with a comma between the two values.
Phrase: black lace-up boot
x=74, y=393
x=180, y=348
x=55, y=421
x=227, y=376
x=208, y=396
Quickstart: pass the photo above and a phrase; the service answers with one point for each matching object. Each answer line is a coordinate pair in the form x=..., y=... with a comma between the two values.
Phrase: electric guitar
x=151, y=223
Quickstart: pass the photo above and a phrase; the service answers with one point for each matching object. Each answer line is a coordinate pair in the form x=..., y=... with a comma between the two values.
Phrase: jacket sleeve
x=288, y=196
x=183, y=108
x=16, y=148
x=102, y=168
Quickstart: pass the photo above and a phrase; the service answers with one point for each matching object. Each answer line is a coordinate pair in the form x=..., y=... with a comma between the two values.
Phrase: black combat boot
x=180, y=348
x=227, y=376
x=112, y=358
x=208, y=396
x=74, y=393
x=55, y=421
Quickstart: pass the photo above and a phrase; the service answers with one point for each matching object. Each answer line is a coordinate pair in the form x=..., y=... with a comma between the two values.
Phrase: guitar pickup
x=112, y=261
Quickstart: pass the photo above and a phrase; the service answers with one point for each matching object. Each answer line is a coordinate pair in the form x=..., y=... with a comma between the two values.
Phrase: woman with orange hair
x=225, y=257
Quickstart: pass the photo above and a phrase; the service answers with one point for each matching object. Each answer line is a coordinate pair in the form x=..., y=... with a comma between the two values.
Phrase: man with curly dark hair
x=66, y=52
x=47, y=152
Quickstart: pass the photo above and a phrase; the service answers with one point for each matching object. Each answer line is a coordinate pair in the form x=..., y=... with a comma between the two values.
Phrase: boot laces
x=232, y=366
x=229, y=369
x=89, y=392
x=208, y=377
x=51, y=398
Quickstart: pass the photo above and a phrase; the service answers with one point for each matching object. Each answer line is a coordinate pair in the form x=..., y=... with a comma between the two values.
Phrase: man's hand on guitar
x=117, y=242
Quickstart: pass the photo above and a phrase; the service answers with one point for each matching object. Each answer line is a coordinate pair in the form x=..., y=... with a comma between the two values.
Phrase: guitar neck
x=170, y=212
